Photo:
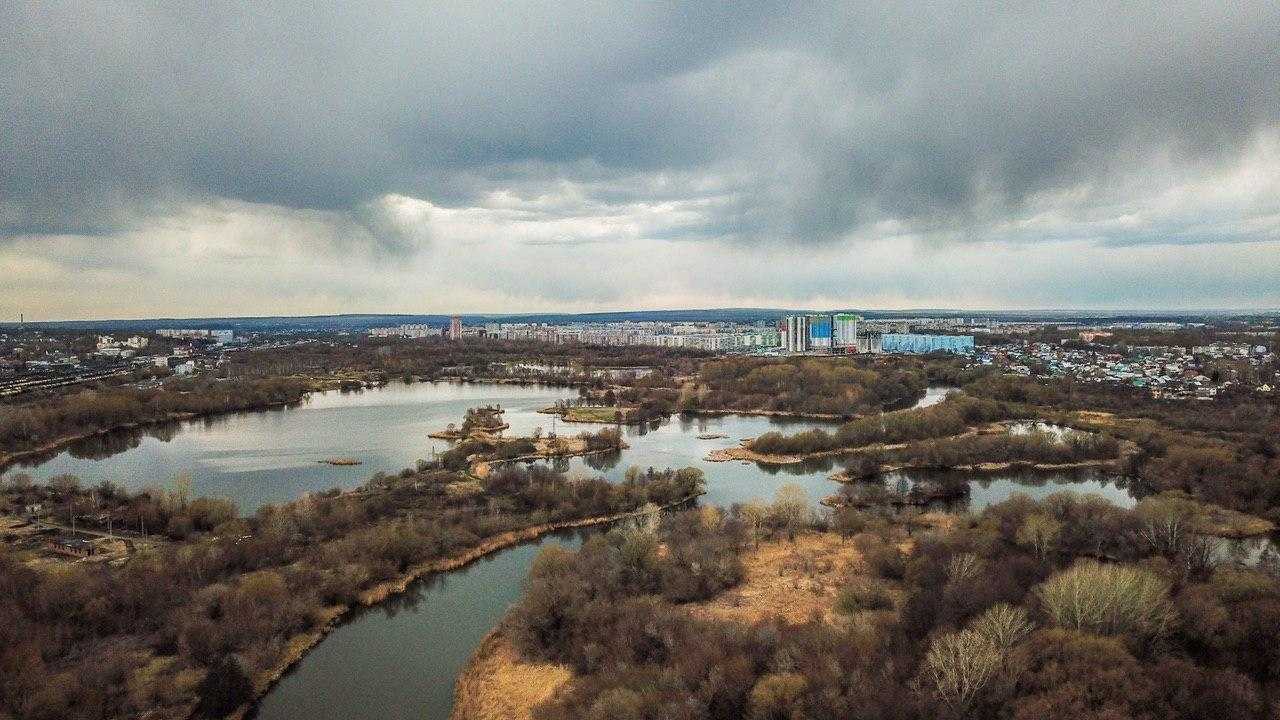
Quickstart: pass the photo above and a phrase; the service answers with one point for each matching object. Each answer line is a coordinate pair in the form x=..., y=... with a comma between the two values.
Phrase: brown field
x=497, y=685
x=794, y=581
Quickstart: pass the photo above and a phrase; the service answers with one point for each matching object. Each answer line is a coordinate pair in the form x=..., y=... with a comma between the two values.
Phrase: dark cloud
x=802, y=123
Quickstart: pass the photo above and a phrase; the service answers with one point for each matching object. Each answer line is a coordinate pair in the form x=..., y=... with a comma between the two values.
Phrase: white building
x=409, y=330
x=844, y=330
x=795, y=333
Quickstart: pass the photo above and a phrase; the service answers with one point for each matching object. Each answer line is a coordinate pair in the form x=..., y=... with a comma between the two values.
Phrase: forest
x=429, y=358
x=196, y=621
x=34, y=423
x=821, y=386
x=1066, y=608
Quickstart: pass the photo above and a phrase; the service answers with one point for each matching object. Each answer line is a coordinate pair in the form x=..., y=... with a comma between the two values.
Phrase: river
x=399, y=659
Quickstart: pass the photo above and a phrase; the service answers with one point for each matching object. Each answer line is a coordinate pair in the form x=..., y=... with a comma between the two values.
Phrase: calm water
x=273, y=456
x=398, y=660
x=675, y=444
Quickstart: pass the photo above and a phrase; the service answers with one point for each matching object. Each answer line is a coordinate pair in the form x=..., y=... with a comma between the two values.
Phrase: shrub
x=959, y=666
x=225, y=688
x=774, y=695
x=863, y=596
x=1108, y=600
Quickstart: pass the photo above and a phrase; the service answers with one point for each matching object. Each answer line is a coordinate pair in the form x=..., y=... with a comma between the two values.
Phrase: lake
x=274, y=456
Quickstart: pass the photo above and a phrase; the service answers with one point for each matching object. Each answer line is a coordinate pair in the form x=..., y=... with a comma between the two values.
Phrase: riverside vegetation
x=1226, y=454
x=833, y=386
x=204, y=623
x=37, y=424
x=1064, y=608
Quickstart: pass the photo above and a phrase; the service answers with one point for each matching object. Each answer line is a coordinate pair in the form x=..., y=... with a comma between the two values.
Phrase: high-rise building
x=795, y=333
x=455, y=328
x=844, y=331
x=820, y=331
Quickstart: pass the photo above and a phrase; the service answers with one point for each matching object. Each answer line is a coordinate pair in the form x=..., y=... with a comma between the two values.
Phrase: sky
x=212, y=159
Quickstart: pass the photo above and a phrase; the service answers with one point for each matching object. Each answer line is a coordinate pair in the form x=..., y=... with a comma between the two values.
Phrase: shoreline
x=482, y=468
x=563, y=414
x=742, y=452
x=491, y=657
x=772, y=413
x=298, y=646
x=844, y=477
x=53, y=446
x=745, y=453
x=9, y=459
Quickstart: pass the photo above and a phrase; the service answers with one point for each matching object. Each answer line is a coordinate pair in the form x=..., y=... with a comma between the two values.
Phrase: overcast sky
x=199, y=159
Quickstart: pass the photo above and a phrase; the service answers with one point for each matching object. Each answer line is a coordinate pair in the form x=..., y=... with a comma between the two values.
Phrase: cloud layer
x=663, y=143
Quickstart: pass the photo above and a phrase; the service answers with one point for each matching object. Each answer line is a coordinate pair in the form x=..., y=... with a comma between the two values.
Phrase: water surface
x=398, y=660
x=274, y=456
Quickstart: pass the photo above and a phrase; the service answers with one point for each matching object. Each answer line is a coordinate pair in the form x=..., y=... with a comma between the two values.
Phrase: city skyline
x=218, y=160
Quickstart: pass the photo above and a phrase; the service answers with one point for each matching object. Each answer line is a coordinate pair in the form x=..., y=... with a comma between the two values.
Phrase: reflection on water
x=399, y=658
x=935, y=394
x=274, y=455
x=956, y=491
x=1262, y=551
x=674, y=443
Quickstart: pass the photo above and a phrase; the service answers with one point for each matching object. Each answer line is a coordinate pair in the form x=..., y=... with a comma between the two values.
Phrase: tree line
x=953, y=416
x=31, y=424
x=830, y=386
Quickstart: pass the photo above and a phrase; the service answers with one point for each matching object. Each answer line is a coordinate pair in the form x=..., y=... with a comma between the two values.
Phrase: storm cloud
x=747, y=127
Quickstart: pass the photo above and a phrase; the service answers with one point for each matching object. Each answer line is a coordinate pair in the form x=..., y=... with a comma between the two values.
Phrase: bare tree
x=958, y=666
x=790, y=506
x=754, y=514
x=962, y=567
x=1108, y=600
x=1039, y=532
x=1168, y=523
x=1004, y=625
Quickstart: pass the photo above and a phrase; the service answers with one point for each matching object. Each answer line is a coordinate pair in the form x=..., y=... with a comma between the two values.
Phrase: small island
x=479, y=446
x=486, y=420
x=342, y=461
x=592, y=413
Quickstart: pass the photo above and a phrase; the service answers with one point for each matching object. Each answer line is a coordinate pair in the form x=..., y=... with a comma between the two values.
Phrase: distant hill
x=361, y=322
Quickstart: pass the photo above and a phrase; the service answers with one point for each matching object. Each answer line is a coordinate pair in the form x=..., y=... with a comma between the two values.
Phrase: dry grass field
x=794, y=581
x=498, y=685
